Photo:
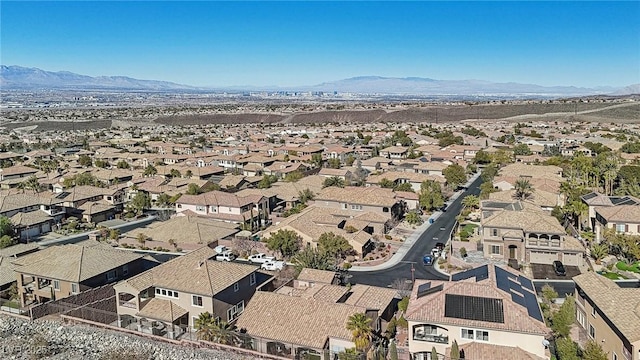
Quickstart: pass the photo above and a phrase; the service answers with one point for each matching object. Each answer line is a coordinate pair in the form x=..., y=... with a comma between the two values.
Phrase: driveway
x=544, y=271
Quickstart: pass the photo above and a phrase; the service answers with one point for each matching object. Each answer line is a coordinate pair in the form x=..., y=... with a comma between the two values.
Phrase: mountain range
x=17, y=77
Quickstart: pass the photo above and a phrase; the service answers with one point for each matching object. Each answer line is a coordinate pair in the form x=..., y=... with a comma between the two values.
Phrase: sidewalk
x=411, y=239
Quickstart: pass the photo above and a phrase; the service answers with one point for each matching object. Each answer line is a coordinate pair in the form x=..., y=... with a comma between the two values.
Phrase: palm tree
x=223, y=332
x=305, y=195
x=471, y=201
x=204, y=326
x=333, y=181
x=579, y=209
x=142, y=239
x=360, y=326
x=523, y=188
x=599, y=251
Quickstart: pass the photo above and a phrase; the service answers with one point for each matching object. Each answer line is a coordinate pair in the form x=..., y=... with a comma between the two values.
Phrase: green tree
x=393, y=350
x=403, y=187
x=150, y=171
x=333, y=181
x=593, y=351
x=174, y=173
x=624, y=245
x=6, y=227
x=122, y=164
x=413, y=218
x=114, y=234
x=287, y=242
x=305, y=195
x=293, y=176
x=349, y=354
x=471, y=201
x=522, y=149
x=523, y=188
x=312, y=258
x=267, y=181
x=350, y=160
x=6, y=241
x=101, y=163
x=599, y=251
x=140, y=202
x=360, y=326
x=430, y=196
x=562, y=320
x=316, y=159
x=579, y=209
x=567, y=349
x=334, y=245
x=455, y=351
x=631, y=147
x=193, y=189
x=31, y=183
x=455, y=175
x=142, y=239
x=434, y=353
x=386, y=183
x=204, y=326
x=84, y=160
x=486, y=188
x=334, y=163
x=482, y=157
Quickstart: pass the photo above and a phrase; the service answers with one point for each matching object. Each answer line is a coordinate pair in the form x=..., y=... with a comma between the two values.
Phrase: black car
x=559, y=268
x=440, y=246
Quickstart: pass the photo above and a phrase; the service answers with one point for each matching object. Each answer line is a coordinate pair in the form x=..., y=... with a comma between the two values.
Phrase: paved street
x=423, y=245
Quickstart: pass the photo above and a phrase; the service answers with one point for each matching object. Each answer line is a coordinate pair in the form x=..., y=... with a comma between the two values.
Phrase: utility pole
x=413, y=270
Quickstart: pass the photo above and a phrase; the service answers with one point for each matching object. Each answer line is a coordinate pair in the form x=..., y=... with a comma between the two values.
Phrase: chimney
x=200, y=263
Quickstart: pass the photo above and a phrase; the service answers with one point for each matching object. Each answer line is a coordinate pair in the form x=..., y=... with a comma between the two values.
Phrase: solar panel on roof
x=474, y=308
x=424, y=287
x=502, y=279
x=518, y=299
x=480, y=273
x=590, y=196
x=533, y=309
x=526, y=283
x=430, y=290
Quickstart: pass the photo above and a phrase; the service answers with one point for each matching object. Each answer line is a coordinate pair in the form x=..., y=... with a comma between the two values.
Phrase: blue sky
x=210, y=43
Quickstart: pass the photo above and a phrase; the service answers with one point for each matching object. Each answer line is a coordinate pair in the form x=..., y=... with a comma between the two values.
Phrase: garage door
x=572, y=259
x=46, y=227
x=542, y=257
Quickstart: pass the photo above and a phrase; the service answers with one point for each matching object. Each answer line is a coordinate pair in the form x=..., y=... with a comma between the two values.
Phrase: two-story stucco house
x=60, y=271
x=623, y=218
x=609, y=315
x=372, y=199
x=177, y=292
x=225, y=206
x=486, y=308
x=524, y=232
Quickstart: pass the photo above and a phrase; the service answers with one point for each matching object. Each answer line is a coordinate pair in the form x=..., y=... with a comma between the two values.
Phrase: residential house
x=225, y=207
x=369, y=199
x=596, y=201
x=16, y=172
x=60, y=271
x=609, y=315
x=623, y=218
x=395, y=152
x=488, y=305
x=175, y=293
x=522, y=231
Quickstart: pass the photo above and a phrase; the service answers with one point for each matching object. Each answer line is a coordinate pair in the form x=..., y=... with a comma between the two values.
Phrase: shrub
x=387, y=236
x=463, y=252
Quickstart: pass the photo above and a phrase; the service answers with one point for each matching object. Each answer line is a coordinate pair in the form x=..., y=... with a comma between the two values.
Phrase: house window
x=615, y=356
x=179, y=206
x=344, y=206
x=621, y=227
x=495, y=249
x=111, y=275
x=168, y=293
x=214, y=209
x=125, y=269
x=236, y=287
x=356, y=207
x=482, y=335
x=56, y=284
x=235, y=311
x=495, y=232
x=467, y=334
x=252, y=278
x=592, y=331
x=200, y=208
x=593, y=312
x=196, y=300
x=580, y=318
x=74, y=288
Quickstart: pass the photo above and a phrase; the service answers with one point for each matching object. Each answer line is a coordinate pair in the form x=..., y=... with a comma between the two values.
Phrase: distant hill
x=425, y=86
x=18, y=77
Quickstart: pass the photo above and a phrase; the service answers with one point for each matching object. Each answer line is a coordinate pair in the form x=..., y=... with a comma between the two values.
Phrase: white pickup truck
x=260, y=258
x=272, y=265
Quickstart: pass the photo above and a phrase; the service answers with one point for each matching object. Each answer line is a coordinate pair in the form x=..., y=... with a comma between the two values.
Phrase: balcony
x=438, y=339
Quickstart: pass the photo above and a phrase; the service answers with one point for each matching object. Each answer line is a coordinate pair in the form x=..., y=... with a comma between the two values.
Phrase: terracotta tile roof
x=7, y=275
x=538, y=197
x=194, y=273
x=188, y=230
x=620, y=213
x=17, y=170
x=480, y=351
x=372, y=196
x=290, y=319
x=163, y=310
x=410, y=176
x=525, y=220
x=620, y=305
x=219, y=198
x=318, y=276
x=371, y=297
x=30, y=218
x=73, y=263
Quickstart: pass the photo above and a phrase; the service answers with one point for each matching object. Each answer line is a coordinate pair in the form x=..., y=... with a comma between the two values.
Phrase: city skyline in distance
x=293, y=44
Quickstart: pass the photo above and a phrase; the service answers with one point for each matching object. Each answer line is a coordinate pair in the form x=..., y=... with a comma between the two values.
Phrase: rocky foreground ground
x=48, y=339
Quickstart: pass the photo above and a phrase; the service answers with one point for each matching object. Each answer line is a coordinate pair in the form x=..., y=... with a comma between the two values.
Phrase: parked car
x=558, y=267
x=440, y=246
x=226, y=256
x=260, y=258
x=436, y=252
x=427, y=259
x=272, y=265
x=220, y=249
